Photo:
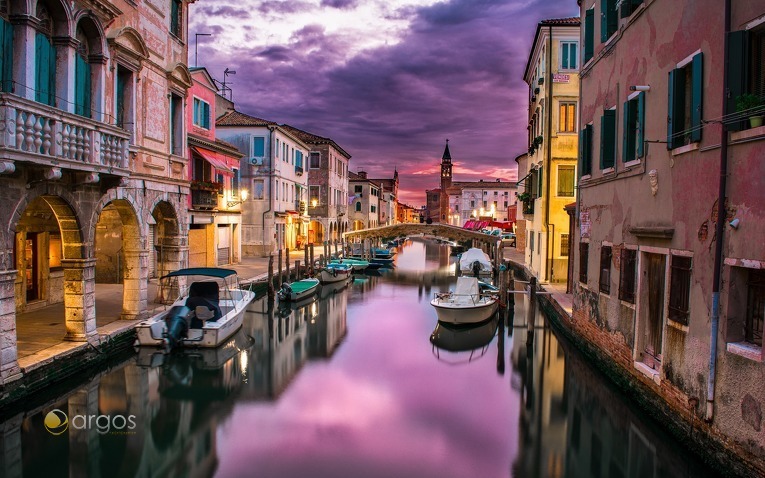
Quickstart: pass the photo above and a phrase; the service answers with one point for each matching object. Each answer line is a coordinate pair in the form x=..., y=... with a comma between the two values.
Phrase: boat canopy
x=467, y=286
x=474, y=254
x=202, y=271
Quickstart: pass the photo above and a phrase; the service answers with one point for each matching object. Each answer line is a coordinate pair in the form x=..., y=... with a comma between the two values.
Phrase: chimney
x=362, y=174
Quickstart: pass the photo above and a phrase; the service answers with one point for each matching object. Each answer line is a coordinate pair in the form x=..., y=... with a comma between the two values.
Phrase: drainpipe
x=719, y=230
x=547, y=162
x=270, y=173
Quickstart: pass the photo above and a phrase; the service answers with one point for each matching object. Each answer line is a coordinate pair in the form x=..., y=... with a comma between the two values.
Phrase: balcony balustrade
x=204, y=199
x=35, y=133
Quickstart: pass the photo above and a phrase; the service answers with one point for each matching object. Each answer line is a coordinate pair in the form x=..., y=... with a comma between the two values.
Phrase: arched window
x=45, y=58
x=82, y=73
x=358, y=206
x=6, y=48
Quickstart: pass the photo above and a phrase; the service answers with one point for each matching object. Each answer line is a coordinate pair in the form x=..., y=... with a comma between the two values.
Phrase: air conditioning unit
x=256, y=161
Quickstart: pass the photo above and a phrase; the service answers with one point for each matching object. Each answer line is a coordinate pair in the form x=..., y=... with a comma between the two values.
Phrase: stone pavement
x=40, y=333
x=557, y=289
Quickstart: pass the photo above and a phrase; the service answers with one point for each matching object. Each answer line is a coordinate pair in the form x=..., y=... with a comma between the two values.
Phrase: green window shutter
x=539, y=182
x=603, y=21
x=120, y=120
x=582, y=133
x=697, y=96
x=675, y=110
x=589, y=34
x=607, y=139
x=738, y=72
x=195, y=113
x=82, y=90
x=612, y=18
x=6, y=56
x=51, y=74
x=640, y=125
x=207, y=115
x=626, y=133
x=564, y=56
x=587, y=150
x=42, y=68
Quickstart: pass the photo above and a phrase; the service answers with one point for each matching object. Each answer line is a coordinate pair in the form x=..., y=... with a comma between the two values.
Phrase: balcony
x=528, y=206
x=299, y=170
x=35, y=133
x=204, y=199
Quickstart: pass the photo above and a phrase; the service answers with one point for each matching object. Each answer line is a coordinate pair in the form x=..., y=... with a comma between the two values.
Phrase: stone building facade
x=655, y=94
x=93, y=157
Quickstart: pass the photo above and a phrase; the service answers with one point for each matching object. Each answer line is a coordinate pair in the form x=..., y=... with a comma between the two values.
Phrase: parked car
x=508, y=239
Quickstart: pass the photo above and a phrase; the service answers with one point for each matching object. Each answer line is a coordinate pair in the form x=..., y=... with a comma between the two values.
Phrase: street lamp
x=242, y=198
x=314, y=202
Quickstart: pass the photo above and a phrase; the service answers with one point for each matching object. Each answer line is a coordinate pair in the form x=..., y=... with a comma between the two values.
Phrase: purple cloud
x=340, y=4
x=456, y=73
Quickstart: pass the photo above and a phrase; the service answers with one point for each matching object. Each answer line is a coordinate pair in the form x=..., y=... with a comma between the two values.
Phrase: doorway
x=31, y=269
x=653, y=275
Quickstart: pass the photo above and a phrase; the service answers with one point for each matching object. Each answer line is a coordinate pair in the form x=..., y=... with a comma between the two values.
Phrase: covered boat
x=298, y=290
x=466, y=304
x=357, y=264
x=475, y=262
x=209, y=309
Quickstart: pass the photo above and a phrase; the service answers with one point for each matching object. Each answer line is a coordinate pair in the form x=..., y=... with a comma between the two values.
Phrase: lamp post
x=242, y=198
x=196, y=45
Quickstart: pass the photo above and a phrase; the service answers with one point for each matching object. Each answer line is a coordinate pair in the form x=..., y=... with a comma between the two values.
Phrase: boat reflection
x=449, y=340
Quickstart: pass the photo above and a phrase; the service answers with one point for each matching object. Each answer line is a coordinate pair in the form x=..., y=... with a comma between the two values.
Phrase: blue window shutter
x=206, y=115
x=640, y=125
x=738, y=72
x=603, y=21
x=6, y=55
x=573, y=51
x=82, y=93
x=626, y=133
x=589, y=34
x=564, y=56
x=42, y=67
x=675, y=110
x=196, y=112
x=607, y=139
x=697, y=96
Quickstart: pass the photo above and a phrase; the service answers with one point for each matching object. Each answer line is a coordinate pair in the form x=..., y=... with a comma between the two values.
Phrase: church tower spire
x=446, y=168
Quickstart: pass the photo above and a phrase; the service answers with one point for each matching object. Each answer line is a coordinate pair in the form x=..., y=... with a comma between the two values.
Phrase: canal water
x=360, y=382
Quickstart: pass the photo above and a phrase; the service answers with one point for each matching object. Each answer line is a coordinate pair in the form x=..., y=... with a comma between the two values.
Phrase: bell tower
x=446, y=168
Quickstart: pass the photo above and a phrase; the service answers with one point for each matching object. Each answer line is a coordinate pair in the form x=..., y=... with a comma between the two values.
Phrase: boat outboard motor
x=177, y=321
x=476, y=267
x=285, y=292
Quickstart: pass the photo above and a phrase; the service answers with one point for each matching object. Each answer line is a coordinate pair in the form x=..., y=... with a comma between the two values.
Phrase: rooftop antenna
x=196, y=45
x=225, y=88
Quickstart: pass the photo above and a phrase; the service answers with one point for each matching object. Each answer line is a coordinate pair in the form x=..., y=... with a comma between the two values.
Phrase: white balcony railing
x=37, y=133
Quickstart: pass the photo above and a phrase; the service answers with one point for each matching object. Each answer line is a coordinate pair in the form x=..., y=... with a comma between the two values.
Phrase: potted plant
x=523, y=197
x=752, y=104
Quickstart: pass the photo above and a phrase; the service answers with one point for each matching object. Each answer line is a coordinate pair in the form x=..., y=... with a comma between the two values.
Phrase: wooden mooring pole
x=287, y=264
x=532, y=312
x=279, y=280
x=271, y=291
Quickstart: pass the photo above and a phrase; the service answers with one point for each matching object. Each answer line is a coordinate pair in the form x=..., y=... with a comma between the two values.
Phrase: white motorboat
x=475, y=261
x=335, y=273
x=209, y=309
x=466, y=304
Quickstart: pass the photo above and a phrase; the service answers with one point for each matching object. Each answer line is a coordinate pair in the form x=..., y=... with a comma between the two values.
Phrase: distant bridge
x=446, y=231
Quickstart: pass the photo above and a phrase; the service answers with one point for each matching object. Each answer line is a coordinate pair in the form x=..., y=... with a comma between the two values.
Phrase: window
x=472, y=204
x=313, y=195
x=567, y=118
x=202, y=113
x=609, y=19
x=684, y=109
x=258, y=147
x=627, y=278
x=373, y=208
x=358, y=206
x=628, y=7
x=607, y=139
x=83, y=77
x=605, y=269
x=176, y=124
x=585, y=150
x=584, y=251
x=679, y=289
x=278, y=146
x=357, y=188
x=755, y=306
x=566, y=181
x=6, y=52
x=634, y=125
x=568, y=52
x=125, y=117
x=589, y=34
x=564, y=245
x=45, y=59
x=314, y=160
x=176, y=23
x=298, y=159
x=746, y=70
x=235, y=184
x=276, y=190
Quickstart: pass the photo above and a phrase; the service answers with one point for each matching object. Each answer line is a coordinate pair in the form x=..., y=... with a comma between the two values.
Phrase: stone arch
x=130, y=40
x=60, y=14
x=125, y=259
x=180, y=75
x=170, y=238
x=94, y=32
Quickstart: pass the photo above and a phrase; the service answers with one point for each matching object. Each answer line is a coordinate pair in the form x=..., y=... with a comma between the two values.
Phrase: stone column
x=66, y=49
x=135, y=284
x=79, y=298
x=84, y=443
x=9, y=365
x=23, y=57
x=175, y=251
x=11, y=464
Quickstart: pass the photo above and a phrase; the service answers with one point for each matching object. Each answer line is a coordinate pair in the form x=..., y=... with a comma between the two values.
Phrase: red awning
x=468, y=224
x=505, y=225
x=217, y=162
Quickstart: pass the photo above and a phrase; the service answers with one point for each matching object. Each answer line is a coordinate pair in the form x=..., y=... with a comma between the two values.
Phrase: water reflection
x=346, y=384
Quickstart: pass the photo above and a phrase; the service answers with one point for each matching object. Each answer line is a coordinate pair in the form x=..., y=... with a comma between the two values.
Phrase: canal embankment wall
x=664, y=403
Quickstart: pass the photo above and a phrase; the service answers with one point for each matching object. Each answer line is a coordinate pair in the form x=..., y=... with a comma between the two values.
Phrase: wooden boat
x=209, y=309
x=335, y=273
x=298, y=290
x=357, y=264
x=466, y=305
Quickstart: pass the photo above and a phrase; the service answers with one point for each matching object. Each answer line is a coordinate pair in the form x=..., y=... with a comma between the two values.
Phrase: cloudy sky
x=388, y=80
